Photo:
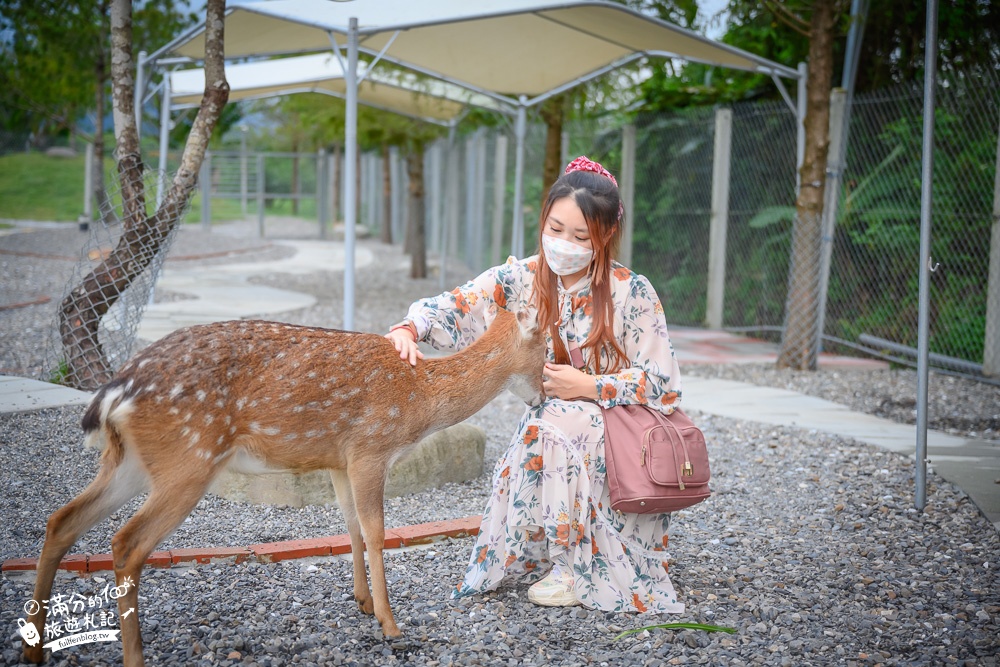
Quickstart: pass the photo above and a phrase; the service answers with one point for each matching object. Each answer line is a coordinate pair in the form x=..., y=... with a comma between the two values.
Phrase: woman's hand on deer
x=568, y=383
x=402, y=340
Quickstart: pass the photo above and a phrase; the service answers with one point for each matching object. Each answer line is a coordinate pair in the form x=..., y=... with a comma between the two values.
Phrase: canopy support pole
x=520, y=129
x=350, y=166
x=923, y=319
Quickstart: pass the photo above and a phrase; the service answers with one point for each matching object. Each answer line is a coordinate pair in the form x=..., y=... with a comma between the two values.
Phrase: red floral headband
x=583, y=163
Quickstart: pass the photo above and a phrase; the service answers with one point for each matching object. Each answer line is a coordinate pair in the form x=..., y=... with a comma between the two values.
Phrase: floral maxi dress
x=549, y=496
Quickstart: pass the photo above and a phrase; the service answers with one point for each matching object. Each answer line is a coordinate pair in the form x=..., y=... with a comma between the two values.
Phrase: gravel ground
x=810, y=547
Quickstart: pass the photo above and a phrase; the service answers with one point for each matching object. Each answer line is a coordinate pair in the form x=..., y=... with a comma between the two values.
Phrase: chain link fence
x=859, y=273
x=872, y=300
x=114, y=335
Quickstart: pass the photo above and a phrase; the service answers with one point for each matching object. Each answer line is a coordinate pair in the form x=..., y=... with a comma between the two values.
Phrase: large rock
x=452, y=455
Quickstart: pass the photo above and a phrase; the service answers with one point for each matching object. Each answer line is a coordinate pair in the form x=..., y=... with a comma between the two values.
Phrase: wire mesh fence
x=874, y=279
x=99, y=314
x=856, y=278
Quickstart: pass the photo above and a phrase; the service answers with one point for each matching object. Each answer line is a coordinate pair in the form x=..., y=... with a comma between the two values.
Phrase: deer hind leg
x=368, y=487
x=165, y=508
x=342, y=485
x=116, y=483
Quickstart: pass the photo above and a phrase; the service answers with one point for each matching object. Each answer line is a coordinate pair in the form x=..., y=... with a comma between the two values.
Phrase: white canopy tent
x=425, y=99
x=518, y=52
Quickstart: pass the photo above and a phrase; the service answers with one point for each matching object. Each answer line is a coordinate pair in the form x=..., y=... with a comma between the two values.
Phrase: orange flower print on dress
x=532, y=266
x=637, y=603
x=499, y=296
x=531, y=434
x=510, y=559
x=505, y=473
x=593, y=548
x=669, y=398
x=657, y=307
x=530, y=565
x=608, y=392
x=621, y=273
x=640, y=391
x=585, y=302
x=534, y=463
x=665, y=540
x=460, y=303
x=562, y=534
x=481, y=556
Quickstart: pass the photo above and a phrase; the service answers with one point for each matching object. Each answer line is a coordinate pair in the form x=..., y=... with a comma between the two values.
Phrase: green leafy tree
x=58, y=61
x=143, y=233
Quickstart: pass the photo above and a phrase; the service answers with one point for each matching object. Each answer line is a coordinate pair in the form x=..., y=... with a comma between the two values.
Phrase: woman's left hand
x=568, y=383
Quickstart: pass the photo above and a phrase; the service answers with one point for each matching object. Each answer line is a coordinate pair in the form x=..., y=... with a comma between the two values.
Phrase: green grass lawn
x=34, y=186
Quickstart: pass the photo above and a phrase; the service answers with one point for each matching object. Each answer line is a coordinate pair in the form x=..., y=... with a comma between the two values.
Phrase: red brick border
x=271, y=552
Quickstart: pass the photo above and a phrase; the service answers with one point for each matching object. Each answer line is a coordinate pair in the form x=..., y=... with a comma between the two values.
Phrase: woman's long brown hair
x=599, y=200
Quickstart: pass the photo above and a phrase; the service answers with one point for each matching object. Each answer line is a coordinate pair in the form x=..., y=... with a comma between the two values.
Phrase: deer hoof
x=367, y=605
x=391, y=631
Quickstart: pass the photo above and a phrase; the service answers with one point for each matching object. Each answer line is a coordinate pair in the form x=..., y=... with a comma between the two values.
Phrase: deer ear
x=527, y=321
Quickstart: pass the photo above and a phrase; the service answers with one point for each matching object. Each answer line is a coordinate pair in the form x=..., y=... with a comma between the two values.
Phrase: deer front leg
x=342, y=485
x=368, y=486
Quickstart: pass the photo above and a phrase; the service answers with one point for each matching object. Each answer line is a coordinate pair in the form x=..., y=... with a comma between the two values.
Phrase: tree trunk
x=86, y=366
x=415, y=218
x=386, y=196
x=800, y=342
x=552, y=112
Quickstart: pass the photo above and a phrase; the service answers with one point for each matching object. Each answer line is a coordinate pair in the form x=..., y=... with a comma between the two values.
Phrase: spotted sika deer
x=261, y=396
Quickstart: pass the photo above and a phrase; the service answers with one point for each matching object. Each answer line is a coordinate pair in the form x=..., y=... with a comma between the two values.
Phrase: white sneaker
x=555, y=590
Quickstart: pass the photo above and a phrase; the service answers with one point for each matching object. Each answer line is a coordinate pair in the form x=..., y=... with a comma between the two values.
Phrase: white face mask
x=565, y=258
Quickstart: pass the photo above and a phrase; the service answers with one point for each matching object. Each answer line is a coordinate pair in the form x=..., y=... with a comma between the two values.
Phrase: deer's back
x=296, y=388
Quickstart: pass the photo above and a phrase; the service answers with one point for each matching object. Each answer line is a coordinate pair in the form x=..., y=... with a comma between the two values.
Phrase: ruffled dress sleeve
x=454, y=320
x=653, y=376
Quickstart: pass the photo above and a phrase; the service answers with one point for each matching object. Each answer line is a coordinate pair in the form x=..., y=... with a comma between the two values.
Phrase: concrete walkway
x=223, y=292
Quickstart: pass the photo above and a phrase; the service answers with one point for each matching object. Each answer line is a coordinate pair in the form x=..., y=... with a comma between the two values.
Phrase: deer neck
x=470, y=379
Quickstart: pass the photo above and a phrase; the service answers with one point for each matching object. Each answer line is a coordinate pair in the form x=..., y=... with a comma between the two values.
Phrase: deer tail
x=108, y=405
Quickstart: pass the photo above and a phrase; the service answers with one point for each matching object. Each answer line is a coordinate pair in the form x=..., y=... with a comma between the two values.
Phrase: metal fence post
x=627, y=193
x=520, y=129
x=394, y=212
x=479, y=215
x=924, y=266
x=206, y=191
x=499, y=196
x=321, y=191
x=261, y=185
x=831, y=200
x=800, y=124
x=243, y=170
x=470, y=200
x=88, y=188
x=991, y=344
x=719, y=223
x=161, y=180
